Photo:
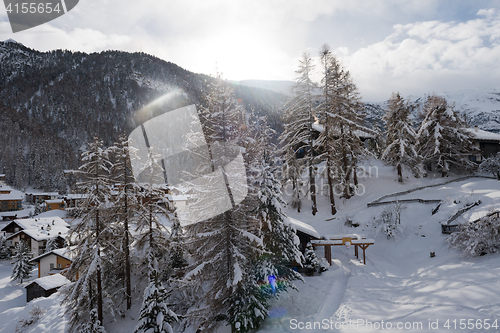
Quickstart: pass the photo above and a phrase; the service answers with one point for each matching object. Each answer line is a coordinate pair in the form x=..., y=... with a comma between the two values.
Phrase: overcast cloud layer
x=409, y=46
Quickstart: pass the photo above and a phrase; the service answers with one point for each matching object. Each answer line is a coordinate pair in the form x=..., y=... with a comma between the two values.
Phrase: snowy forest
x=226, y=270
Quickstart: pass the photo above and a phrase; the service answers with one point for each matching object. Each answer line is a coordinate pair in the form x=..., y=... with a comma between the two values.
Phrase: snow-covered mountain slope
x=480, y=106
x=282, y=87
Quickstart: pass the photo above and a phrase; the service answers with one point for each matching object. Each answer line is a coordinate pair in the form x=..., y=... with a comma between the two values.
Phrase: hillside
x=73, y=96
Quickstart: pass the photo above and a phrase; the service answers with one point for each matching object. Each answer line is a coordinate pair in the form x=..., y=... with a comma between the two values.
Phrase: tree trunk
x=400, y=173
x=355, y=176
x=330, y=189
x=126, y=247
x=99, y=283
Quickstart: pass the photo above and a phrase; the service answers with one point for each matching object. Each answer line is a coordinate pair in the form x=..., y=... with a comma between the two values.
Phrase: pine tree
x=311, y=262
x=299, y=120
x=94, y=325
x=491, y=165
x=155, y=316
x=401, y=137
x=247, y=307
x=4, y=249
x=153, y=202
x=52, y=244
x=125, y=211
x=177, y=245
x=442, y=140
x=222, y=246
x=91, y=234
x=280, y=241
x=342, y=120
x=22, y=265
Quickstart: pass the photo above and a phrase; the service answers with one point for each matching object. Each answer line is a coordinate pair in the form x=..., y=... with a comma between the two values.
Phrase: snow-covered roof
x=42, y=234
x=303, y=227
x=11, y=197
x=359, y=133
x=180, y=197
x=52, y=194
x=36, y=223
x=51, y=281
x=483, y=135
x=65, y=252
x=54, y=201
x=75, y=196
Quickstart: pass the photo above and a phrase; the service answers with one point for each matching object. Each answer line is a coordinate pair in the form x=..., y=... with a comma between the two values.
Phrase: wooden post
x=328, y=254
x=356, y=251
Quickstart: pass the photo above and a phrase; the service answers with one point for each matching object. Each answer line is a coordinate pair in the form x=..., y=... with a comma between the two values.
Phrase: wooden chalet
x=36, y=198
x=487, y=142
x=10, y=200
x=55, y=204
x=53, y=262
x=45, y=286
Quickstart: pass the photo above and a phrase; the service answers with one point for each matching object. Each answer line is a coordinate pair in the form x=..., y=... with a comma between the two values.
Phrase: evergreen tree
x=222, y=246
x=125, y=211
x=52, y=244
x=177, y=245
x=491, y=165
x=153, y=202
x=342, y=120
x=22, y=265
x=442, y=140
x=4, y=248
x=401, y=137
x=155, y=316
x=91, y=234
x=279, y=239
x=94, y=325
x=299, y=120
x=247, y=307
x=311, y=262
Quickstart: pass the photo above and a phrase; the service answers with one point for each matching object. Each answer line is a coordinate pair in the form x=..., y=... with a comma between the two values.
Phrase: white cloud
x=429, y=56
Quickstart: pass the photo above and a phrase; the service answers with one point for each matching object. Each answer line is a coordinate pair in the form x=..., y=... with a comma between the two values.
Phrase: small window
x=51, y=266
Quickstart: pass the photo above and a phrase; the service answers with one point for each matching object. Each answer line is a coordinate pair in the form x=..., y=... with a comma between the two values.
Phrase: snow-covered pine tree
x=247, y=306
x=91, y=234
x=154, y=201
x=442, y=139
x=280, y=241
x=94, y=325
x=401, y=138
x=4, y=249
x=22, y=267
x=222, y=247
x=155, y=315
x=299, y=119
x=311, y=262
x=292, y=170
x=477, y=238
x=491, y=165
x=52, y=244
x=342, y=116
x=330, y=85
x=177, y=245
x=125, y=208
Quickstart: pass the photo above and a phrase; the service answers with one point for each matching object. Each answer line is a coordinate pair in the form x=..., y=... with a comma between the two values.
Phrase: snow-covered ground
x=399, y=285
x=401, y=288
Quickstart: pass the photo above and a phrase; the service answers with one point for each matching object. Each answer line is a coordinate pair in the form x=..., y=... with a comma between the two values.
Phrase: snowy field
x=401, y=288
x=400, y=285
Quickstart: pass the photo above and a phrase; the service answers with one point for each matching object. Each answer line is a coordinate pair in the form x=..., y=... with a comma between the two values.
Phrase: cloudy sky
x=414, y=47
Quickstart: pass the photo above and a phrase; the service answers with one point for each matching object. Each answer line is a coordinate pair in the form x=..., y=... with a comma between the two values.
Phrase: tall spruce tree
x=125, y=207
x=401, y=138
x=222, y=246
x=91, y=234
x=22, y=266
x=442, y=140
x=299, y=119
x=342, y=119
